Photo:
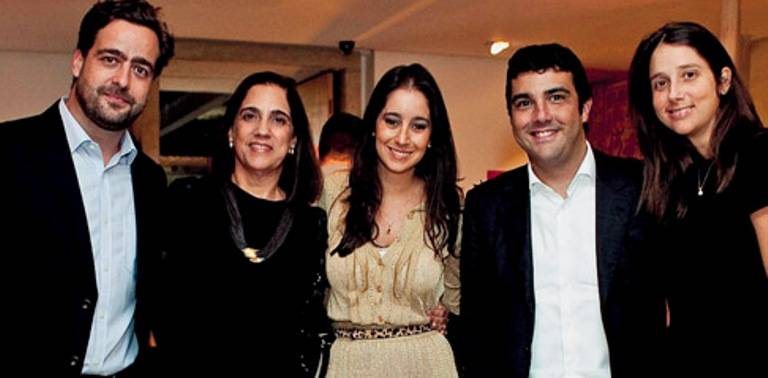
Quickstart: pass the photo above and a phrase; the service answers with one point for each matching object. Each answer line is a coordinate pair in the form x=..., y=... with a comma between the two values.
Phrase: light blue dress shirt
x=107, y=192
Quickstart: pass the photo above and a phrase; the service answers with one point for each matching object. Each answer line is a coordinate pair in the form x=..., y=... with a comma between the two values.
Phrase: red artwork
x=610, y=129
x=492, y=173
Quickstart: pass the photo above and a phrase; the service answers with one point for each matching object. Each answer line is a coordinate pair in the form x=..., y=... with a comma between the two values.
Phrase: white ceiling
x=603, y=33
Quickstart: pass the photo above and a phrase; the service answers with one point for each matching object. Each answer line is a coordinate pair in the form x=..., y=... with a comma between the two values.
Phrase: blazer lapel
x=60, y=196
x=516, y=215
x=139, y=205
x=144, y=200
x=613, y=210
x=148, y=185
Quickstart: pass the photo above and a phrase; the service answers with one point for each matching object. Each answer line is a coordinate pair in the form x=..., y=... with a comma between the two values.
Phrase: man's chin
x=116, y=120
x=115, y=123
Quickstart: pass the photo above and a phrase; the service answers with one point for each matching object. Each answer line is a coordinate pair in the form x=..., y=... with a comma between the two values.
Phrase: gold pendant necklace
x=236, y=231
x=252, y=255
x=700, y=183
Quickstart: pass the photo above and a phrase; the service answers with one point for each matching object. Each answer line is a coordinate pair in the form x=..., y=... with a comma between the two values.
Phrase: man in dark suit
x=556, y=281
x=80, y=203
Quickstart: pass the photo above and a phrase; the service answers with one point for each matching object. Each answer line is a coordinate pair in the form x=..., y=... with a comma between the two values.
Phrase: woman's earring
x=429, y=145
x=231, y=143
x=291, y=150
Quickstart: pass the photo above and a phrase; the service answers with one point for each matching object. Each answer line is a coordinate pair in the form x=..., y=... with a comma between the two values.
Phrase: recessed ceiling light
x=499, y=46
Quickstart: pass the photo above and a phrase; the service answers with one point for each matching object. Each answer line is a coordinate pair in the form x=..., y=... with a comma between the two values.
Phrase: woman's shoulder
x=310, y=229
x=337, y=181
x=312, y=213
x=749, y=180
x=759, y=141
x=333, y=187
x=753, y=148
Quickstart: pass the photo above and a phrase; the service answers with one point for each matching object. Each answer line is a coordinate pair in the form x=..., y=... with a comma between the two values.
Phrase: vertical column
x=146, y=129
x=730, y=29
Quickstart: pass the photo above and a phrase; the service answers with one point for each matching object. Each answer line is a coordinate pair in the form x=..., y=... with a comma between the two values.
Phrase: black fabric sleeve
x=316, y=329
x=470, y=341
x=752, y=174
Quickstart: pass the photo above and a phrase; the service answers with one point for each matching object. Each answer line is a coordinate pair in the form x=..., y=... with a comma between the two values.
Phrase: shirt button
x=378, y=288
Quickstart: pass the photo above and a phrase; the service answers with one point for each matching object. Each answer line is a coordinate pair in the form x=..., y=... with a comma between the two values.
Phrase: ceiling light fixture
x=499, y=46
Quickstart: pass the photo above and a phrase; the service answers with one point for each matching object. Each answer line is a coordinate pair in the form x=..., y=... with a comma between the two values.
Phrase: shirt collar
x=77, y=137
x=587, y=169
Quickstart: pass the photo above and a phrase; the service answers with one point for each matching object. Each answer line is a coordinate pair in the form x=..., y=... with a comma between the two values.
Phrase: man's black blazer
x=49, y=282
x=497, y=294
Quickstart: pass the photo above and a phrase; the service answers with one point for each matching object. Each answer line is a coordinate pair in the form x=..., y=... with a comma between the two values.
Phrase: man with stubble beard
x=80, y=201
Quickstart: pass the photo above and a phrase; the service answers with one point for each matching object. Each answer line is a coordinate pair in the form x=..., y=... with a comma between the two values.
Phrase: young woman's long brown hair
x=668, y=154
x=437, y=168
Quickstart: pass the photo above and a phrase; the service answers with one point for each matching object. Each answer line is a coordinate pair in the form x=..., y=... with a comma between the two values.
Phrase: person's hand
x=438, y=318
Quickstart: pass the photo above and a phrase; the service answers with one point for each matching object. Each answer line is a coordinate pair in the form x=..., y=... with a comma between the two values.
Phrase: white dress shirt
x=568, y=335
x=107, y=193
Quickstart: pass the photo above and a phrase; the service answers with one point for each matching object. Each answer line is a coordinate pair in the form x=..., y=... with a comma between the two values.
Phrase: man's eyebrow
x=143, y=62
x=136, y=60
x=557, y=90
x=519, y=96
x=117, y=52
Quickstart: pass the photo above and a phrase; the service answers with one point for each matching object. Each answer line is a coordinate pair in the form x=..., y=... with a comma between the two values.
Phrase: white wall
x=30, y=82
x=473, y=89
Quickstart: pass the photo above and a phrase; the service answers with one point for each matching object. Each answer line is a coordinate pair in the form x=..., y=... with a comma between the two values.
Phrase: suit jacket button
x=74, y=361
x=86, y=304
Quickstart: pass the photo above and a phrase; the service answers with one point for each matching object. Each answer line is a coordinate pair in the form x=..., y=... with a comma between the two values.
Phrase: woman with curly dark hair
x=393, y=230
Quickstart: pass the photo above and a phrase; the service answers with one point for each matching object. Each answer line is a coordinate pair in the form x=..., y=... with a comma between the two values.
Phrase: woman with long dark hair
x=245, y=248
x=393, y=230
x=706, y=182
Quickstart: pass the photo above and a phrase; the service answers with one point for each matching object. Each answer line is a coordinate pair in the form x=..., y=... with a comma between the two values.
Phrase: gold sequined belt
x=380, y=332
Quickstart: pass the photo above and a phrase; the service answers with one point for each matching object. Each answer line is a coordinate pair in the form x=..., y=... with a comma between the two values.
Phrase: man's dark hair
x=340, y=134
x=539, y=58
x=138, y=12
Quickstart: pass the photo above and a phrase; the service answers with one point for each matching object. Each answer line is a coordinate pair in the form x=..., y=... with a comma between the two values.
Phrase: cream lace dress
x=391, y=287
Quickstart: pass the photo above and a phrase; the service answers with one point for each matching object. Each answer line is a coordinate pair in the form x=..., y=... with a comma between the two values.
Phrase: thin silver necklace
x=701, y=182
